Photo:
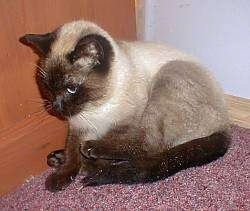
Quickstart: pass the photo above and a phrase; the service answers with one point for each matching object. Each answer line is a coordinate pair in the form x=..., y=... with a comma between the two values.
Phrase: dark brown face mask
x=62, y=81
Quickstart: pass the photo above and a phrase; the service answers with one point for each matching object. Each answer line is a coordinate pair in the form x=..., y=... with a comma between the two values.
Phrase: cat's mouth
x=64, y=111
x=58, y=110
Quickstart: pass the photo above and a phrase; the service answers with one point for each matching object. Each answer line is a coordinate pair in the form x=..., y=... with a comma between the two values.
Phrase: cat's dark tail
x=193, y=153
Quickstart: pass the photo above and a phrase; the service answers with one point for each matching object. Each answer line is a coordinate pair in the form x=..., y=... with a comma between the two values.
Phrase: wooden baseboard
x=24, y=148
x=239, y=110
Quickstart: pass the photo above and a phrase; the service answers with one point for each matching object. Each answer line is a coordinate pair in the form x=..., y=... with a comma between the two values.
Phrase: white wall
x=215, y=31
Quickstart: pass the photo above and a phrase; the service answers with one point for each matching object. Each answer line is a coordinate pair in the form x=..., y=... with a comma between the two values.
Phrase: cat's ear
x=97, y=47
x=39, y=42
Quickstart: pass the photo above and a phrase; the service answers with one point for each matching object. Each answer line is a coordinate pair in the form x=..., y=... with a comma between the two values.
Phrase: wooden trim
x=24, y=148
x=140, y=18
x=239, y=110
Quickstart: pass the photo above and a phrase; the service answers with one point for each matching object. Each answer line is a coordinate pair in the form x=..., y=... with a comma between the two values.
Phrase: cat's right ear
x=40, y=43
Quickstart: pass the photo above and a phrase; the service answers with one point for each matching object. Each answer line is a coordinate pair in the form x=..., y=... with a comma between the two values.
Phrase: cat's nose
x=57, y=105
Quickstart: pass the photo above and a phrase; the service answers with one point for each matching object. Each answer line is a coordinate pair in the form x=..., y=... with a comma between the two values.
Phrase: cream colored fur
x=134, y=71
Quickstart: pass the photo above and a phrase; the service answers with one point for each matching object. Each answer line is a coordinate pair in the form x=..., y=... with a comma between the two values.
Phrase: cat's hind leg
x=119, y=145
x=103, y=171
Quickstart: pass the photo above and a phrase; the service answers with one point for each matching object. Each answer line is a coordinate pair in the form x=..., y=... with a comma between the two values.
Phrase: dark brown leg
x=110, y=171
x=116, y=158
x=66, y=172
x=121, y=144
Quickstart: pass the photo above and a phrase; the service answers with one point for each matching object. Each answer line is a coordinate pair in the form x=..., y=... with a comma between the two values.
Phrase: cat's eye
x=72, y=89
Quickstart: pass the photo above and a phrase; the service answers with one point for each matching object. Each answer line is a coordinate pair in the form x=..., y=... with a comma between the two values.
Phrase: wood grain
x=25, y=135
x=239, y=110
x=24, y=148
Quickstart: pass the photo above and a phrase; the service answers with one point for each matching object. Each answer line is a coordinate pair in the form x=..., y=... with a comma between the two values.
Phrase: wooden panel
x=239, y=110
x=26, y=16
x=24, y=148
x=26, y=134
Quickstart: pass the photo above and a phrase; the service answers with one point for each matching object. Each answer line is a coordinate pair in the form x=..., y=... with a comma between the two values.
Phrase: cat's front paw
x=91, y=150
x=57, y=182
x=56, y=158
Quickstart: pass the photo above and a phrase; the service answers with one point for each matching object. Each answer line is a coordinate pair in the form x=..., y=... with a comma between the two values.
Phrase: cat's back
x=182, y=90
x=149, y=57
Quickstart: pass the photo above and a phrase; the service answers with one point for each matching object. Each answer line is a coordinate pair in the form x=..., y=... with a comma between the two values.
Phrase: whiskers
x=44, y=106
x=41, y=73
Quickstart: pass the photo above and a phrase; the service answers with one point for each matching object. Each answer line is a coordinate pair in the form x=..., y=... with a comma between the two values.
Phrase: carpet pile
x=223, y=184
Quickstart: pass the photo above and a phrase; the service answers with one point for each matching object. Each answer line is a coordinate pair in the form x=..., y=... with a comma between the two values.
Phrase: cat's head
x=75, y=65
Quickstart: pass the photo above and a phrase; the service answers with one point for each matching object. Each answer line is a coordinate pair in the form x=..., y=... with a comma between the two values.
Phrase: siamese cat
x=137, y=111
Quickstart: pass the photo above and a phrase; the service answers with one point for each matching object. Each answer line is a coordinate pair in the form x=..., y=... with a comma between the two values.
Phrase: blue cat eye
x=71, y=89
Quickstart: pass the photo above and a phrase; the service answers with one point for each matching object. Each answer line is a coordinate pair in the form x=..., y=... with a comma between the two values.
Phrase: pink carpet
x=223, y=184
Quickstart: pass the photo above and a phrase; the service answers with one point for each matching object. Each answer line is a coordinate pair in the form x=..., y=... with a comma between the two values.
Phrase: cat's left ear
x=39, y=42
x=94, y=46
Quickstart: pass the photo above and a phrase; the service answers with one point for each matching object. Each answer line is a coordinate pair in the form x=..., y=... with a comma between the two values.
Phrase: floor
x=239, y=110
x=221, y=185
